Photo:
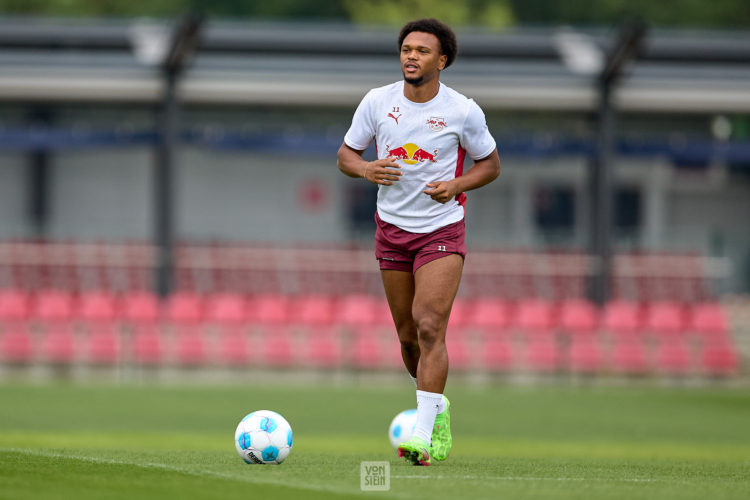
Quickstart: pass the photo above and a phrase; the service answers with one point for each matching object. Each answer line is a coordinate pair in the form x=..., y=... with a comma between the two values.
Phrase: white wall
x=259, y=197
x=103, y=194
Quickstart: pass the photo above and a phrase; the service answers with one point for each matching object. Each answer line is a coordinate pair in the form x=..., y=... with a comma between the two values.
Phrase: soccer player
x=422, y=131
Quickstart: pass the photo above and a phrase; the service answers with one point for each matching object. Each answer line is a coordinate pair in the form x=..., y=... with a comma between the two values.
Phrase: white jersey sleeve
x=475, y=137
x=363, y=128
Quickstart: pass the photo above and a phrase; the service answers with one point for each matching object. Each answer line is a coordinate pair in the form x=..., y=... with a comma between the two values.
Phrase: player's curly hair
x=443, y=32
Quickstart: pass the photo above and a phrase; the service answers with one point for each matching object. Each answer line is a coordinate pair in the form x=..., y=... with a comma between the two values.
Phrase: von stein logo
x=437, y=123
x=375, y=476
x=411, y=154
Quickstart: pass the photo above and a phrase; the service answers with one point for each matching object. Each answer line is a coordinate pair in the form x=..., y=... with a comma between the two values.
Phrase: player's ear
x=441, y=62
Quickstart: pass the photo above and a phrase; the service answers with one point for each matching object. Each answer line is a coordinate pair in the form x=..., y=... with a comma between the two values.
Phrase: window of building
x=627, y=209
x=554, y=213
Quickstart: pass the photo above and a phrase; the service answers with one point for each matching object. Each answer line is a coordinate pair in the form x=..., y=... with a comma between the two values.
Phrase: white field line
x=220, y=475
x=523, y=478
x=181, y=470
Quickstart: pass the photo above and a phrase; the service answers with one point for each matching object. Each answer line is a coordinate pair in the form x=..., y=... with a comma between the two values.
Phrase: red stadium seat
x=709, y=321
x=535, y=316
x=664, y=318
x=14, y=305
x=461, y=313
x=365, y=350
x=322, y=348
x=103, y=347
x=621, y=318
x=140, y=308
x=392, y=358
x=390, y=348
x=93, y=327
x=578, y=317
x=226, y=309
x=496, y=353
x=629, y=357
x=58, y=344
x=542, y=355
x=97, y=307
x=491, y=313
x=184, y=308
x=313, y=310
x=191, y=348
x=233, y=347
x=357, y=310
x=672, y=356
x=53, y=306
x=148, y=346
x=459, y=355
x=719, y=359
x=16, y=344
x=270, y=310
x=585, y=355
x=276, y=346
x=383, y=313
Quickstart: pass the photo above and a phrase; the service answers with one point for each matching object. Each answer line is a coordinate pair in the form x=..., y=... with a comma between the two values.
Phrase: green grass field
x=159, y=441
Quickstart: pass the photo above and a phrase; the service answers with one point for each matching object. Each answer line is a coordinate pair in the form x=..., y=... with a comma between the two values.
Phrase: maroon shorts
x=401, y=250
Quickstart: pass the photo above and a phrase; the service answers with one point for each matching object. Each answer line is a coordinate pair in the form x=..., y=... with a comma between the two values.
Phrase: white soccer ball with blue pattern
x=263, y=437
x=402, y=427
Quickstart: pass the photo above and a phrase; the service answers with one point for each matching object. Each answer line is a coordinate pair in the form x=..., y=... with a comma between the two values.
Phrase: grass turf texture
x=126, y=441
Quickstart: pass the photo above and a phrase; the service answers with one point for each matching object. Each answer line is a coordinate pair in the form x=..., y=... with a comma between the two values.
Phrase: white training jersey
x=430, y=141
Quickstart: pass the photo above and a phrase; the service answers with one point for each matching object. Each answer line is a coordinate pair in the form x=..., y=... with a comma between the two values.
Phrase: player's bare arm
x=384, y=171
x=483, y=172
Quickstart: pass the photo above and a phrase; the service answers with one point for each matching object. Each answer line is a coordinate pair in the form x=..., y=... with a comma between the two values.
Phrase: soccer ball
x=402, y=427
x=263, y=437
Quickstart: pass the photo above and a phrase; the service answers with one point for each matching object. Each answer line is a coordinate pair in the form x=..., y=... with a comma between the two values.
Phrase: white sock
x=441, y=405
x=427, y=408
x=413, y=378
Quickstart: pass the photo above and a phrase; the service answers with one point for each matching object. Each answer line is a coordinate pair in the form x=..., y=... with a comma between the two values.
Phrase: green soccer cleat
x=442, y=441
x=416, y=450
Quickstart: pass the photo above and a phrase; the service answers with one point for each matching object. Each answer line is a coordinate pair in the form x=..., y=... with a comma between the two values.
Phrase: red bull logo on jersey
x=411, y=154
x=437, y=123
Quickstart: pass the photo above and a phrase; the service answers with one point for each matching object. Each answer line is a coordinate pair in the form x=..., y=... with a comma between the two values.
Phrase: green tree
x=675, y=13
x=277, y=9
x=87, y=8
x=489, y=13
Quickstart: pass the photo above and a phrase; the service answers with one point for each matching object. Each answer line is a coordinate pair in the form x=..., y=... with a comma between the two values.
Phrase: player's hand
x=384, y=172
x=442, y=191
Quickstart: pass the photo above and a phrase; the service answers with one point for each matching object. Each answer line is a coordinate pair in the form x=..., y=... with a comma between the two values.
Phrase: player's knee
x=431, y=329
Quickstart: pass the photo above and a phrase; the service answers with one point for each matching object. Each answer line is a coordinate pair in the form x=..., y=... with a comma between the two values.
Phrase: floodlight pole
x=39, y=176
x=183, y=44
x=601, y=191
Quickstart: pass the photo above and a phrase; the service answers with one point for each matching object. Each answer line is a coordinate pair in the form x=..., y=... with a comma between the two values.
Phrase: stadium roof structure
x=52, y=60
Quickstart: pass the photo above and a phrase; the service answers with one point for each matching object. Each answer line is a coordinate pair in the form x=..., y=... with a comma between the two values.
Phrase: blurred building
x=265, y=108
